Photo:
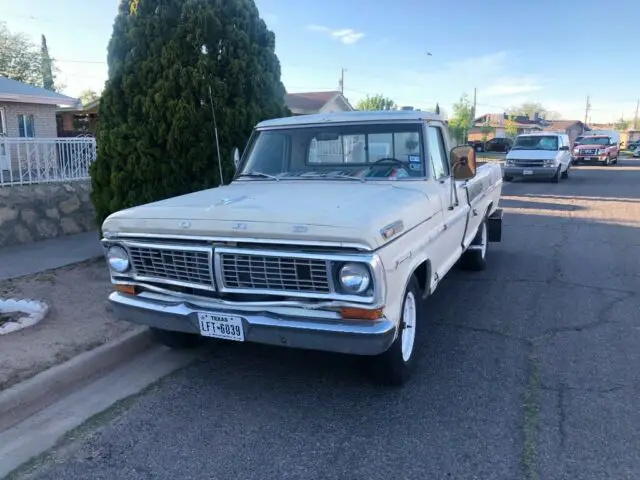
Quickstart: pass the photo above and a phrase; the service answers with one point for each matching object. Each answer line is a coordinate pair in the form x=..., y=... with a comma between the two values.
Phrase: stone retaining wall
x=36, y=212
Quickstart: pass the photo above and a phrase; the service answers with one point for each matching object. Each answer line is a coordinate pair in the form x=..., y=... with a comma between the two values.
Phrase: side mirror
x=564, y=147
x=236, y=157
x=463, y=162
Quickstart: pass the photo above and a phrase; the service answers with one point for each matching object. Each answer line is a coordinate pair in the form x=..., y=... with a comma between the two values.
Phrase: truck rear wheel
x=475, y=258
x=176, y=340
x=394, y=367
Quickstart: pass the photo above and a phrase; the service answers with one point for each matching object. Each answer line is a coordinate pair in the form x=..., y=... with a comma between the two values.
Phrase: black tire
x=565, y=174
x=507, y=178
x=176, y=340
x=391, y=368
x=607, y=162
x=556, y=177
x=475, y=258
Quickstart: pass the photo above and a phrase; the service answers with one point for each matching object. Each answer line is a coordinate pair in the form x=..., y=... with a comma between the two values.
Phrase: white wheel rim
x=408, y=326
x=483, y=239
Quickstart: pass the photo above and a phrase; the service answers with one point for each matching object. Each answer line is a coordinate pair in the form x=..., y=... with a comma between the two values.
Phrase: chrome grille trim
x=257, y=282
x=172, y=264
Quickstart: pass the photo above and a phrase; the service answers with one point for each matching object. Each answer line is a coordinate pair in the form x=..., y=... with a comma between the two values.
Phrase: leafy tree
x=622, y=125
x=462, y=119
x=376, y=102
x=511, y=127
x=167, y=60
x=486, y=131
x=19, y=58
x=46, y=65
x=88, y=96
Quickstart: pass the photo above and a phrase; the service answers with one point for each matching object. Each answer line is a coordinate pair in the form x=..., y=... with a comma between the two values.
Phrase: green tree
x=46, y=65
x=376, y=102
x=19, y=58
x=622, y=125
x=88, y=96
x=511, y=127
x=167, y=59
x=486, y=131
x=462, y=119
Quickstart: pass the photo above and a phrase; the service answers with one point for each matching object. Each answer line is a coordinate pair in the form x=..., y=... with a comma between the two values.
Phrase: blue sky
x=556, y=53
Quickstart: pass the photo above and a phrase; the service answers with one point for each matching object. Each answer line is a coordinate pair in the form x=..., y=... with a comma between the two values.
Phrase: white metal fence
x=25, y=161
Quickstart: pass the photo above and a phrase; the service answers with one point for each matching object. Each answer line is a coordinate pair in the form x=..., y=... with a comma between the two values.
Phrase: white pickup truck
x=333, y=231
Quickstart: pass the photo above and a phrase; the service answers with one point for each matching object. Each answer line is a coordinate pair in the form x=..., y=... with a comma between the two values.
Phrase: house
x=493, y=125
x=27, y=111
x=317, y=102
x=573, y=128
x=74, y=121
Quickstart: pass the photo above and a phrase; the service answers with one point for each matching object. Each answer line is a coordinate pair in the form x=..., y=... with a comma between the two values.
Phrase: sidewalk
x=30, y=258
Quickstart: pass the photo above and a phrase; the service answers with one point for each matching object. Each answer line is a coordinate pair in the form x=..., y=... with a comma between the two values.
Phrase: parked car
x=539, y=155
x=498, y=145
x=597, y=148
x=636, y=152
x=633, y=144
x=332, y=232
x=478, y=145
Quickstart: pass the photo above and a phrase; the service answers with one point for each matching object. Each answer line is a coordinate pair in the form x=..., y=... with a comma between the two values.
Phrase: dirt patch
x=79, y=319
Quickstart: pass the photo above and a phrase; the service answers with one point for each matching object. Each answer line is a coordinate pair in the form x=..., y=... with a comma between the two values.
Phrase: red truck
x=596, y=148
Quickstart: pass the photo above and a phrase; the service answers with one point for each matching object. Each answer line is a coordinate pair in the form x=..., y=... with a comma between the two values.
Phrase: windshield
x=595, y=141
x=359, y=152
x=536, y=142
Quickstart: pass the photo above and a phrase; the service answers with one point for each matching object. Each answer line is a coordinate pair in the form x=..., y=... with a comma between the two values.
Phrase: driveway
x=530, y=369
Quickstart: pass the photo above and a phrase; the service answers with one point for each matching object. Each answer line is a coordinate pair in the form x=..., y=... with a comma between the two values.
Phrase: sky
x=417, y=52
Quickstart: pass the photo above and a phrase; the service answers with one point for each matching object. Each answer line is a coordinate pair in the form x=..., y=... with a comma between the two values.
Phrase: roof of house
x=352, y=116
x=311, y=102
x=14, y=91
x=561, y=124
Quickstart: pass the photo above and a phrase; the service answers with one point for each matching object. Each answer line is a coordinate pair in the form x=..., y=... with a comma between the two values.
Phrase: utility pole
x=635, y=119
x=342, y=70
x=586, y=111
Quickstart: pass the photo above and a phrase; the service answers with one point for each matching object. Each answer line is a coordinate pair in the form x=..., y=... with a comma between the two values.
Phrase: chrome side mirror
x=463, y=162
x=236, y=157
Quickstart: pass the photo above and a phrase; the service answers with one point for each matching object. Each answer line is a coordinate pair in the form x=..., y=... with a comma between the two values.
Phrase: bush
x=156, y=136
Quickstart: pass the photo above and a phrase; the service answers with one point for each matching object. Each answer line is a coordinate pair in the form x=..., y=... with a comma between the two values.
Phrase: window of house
x=3, y=122
x=25, y=126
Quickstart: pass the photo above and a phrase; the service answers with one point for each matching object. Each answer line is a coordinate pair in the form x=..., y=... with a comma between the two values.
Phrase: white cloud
x=346, y=35
x=517, y=85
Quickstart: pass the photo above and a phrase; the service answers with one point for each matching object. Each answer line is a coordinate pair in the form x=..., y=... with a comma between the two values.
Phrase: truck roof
x=348, y=117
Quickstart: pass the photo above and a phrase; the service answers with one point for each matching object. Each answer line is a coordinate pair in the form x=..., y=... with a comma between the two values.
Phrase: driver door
x=454, y=212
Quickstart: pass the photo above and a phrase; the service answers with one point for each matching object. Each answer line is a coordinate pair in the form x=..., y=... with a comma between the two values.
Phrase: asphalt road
x=530, y=369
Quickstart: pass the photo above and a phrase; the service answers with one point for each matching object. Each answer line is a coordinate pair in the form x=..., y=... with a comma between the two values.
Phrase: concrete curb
x=26, y=398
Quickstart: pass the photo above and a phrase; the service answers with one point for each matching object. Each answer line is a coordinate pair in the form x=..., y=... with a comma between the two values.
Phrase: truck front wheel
x=176, y=340
x=394, y=366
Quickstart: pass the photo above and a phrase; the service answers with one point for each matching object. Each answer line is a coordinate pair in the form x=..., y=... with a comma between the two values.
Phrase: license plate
x=527, y=172
x=227, y=327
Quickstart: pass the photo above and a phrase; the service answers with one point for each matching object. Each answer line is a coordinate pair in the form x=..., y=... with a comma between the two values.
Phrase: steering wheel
x=391, y=159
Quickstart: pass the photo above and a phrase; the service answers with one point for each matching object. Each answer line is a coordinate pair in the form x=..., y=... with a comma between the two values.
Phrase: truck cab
x=333, y=231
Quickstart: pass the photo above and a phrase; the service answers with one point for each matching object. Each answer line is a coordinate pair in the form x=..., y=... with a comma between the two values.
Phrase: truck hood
x=532, y=154
x=301, y=210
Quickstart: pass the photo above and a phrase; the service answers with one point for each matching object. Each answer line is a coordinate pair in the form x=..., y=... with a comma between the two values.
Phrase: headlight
x=354, y=278
x=601, y=151
x=550, y=163
x=576, y=151
x=508, y=161
x=118, y=259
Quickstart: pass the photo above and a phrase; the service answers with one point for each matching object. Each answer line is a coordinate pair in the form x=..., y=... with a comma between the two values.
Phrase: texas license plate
x=527, y=172
x=227, y=327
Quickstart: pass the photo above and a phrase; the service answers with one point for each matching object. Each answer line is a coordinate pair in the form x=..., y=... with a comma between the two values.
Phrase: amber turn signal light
x=128, y=289
x=355, y=313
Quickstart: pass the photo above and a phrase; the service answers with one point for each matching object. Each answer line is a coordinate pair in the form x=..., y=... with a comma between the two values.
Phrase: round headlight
x=118, y=259
x=354, y=277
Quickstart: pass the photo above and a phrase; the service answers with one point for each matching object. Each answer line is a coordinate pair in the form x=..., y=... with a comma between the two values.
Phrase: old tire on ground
x=176, y=340
x=394, y=366
x=475, y=258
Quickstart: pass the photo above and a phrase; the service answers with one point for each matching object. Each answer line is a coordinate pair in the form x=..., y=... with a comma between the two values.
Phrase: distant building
x=305, y=103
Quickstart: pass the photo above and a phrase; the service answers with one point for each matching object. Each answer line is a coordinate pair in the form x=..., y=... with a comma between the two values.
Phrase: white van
x=539, y=155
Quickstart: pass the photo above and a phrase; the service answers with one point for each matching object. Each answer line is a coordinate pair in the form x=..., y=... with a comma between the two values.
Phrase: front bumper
x=530, y=172
x=590, y=158
x=356, y=337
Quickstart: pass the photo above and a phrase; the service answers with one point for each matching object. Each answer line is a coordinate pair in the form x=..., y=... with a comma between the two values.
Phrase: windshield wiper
x=259, y=175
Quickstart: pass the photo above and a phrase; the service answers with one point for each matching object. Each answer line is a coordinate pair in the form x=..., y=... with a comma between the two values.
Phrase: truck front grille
x=528, y=163
x=175, y=264
x=587, y=152
x=279, y=273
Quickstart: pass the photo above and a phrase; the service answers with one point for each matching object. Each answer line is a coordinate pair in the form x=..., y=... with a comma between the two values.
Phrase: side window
x=25, y=126
x=438, y=154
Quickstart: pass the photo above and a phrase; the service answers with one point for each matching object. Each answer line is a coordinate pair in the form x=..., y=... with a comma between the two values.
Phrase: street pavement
x=530, y=369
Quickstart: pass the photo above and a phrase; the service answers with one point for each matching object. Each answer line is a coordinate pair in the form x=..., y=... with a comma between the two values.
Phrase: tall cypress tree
x=167, y=59
x=46, y=65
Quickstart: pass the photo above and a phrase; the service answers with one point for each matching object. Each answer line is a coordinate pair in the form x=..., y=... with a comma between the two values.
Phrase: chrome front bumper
x=530, y=172
x=357, y=337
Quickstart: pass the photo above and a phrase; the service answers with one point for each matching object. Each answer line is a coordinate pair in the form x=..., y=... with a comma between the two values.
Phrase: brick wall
x=44, y=118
